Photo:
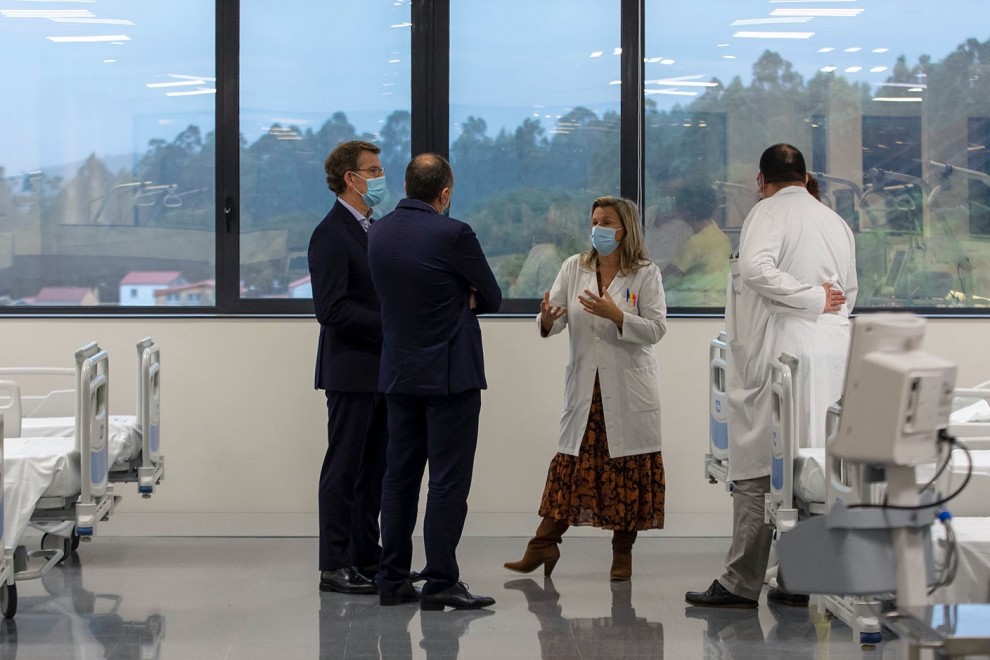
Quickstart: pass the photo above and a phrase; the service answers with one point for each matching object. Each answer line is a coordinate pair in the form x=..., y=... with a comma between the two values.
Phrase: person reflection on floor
x=623, y=634
x=383, y=631
x=442, y=631
x=737, y=633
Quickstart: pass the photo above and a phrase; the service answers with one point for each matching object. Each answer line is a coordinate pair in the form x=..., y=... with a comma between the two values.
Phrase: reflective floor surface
x=246, y=598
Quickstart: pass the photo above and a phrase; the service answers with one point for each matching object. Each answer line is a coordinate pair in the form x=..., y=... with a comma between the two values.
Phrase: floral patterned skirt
x=625, y=493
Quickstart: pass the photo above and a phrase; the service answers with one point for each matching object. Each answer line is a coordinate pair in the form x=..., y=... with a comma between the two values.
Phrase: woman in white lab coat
x=608, y=471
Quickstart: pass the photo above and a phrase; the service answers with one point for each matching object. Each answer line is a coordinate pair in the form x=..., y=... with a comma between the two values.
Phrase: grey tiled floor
x=251, y=598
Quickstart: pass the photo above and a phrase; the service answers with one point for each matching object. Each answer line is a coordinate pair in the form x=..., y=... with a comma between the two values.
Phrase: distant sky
x=510, y=59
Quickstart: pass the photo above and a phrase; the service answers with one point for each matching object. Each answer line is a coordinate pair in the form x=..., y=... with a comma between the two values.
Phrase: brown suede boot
x=542, y=549
x=622, y=543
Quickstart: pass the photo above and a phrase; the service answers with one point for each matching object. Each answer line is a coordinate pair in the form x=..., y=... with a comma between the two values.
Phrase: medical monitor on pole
x=896, y=397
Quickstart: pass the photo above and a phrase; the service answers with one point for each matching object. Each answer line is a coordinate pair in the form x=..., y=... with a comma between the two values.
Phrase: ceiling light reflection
x=90, y=39
x=774, y=35
x=770, y=21
x=829, y=12
x=94, y=21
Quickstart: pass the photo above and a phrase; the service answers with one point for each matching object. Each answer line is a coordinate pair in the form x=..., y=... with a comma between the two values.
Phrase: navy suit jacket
x=346, y=305
x=424, y=266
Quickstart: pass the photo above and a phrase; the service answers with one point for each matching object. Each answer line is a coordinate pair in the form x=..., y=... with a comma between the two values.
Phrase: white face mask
x=377, y=191
x=603, y=239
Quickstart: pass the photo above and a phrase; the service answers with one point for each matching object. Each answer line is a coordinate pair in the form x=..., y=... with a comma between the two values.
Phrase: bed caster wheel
x=8, y=600
x=870, y=638
x=56, y=542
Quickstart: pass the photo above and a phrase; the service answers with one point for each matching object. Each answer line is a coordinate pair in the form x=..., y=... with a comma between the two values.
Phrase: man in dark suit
x=346, y=368
x=432, y=279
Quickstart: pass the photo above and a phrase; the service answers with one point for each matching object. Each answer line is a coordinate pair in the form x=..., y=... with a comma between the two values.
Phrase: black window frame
x=430, y=78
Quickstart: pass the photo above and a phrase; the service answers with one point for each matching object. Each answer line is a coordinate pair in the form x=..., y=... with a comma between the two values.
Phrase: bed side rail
x=152, y=469
x=717, y=458
x=780, y=509
x=92, y=418
x=53, y=403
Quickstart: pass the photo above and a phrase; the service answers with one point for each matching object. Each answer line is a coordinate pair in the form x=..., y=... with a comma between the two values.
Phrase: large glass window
x=889, y=102
x=106, y=152
x=310, y=78
x=534, y=135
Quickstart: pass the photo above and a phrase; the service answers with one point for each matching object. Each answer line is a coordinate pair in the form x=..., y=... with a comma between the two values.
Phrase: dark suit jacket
x=346, y=305
x=423, y=265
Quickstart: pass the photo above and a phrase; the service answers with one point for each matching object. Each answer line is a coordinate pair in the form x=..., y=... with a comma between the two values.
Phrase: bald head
x=783, y=163
x=427, y=176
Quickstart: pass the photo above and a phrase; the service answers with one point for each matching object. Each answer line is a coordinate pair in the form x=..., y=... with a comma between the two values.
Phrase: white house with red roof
x=139, y=286
x=65, y=295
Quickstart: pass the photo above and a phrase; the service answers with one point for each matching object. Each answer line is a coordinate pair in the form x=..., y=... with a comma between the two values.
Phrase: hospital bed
x=134, y=440
x=59, y=483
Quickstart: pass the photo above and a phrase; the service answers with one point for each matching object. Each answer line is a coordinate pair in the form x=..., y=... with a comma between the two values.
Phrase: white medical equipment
x=896, y=405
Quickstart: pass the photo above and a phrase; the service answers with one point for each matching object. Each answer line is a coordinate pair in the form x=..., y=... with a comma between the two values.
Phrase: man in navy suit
x=432, y=279
x=347, y=368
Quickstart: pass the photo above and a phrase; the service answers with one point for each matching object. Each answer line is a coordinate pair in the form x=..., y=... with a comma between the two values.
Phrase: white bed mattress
x=124, y=440
x=33, y=467
x=809, y=474
x=39, y=467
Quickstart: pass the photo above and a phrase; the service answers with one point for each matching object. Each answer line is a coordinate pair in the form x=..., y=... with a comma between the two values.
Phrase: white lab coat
x=789, y=246
x=626, y=363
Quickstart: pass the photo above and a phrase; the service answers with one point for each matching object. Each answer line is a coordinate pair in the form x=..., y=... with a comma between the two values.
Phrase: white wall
x=244, y=433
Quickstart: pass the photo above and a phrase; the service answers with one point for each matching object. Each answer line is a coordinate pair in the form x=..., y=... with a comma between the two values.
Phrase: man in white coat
x=792, y=287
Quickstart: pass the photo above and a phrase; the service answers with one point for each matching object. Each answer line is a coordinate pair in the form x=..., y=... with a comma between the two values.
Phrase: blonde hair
x=632, y=253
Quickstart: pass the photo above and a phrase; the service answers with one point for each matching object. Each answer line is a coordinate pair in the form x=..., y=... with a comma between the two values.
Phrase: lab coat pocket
x=642, y=389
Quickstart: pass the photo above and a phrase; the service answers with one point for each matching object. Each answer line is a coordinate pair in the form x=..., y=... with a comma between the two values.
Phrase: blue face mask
x=603, y=239
x=377, y=191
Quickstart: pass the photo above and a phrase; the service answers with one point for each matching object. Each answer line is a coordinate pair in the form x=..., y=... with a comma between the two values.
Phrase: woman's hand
x=602, y=306
x=549, y=313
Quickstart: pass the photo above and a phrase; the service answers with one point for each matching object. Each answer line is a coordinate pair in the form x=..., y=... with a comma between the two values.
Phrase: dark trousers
x=441, y=431
x=351, y=480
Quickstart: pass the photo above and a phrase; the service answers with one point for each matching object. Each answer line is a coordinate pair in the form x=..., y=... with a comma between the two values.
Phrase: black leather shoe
x=407, y=593
x=346, y=581
x=718, y=596
x=777, y=595
x=457, y=597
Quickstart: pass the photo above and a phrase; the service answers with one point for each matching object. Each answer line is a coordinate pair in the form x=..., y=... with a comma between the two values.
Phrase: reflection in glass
x=889, y=106
x=106, y=151
x=303, y=92
x=534, y=109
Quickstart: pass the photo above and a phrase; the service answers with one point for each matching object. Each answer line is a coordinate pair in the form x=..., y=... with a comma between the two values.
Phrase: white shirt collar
x=357, y=214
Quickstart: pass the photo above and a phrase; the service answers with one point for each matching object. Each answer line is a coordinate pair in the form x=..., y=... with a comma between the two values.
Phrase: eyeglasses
x=375, y=172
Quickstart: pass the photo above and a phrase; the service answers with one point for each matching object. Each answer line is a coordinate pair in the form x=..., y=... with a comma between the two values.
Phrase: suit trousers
x=441, y=431
x=746, y=562
x=351, y=480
